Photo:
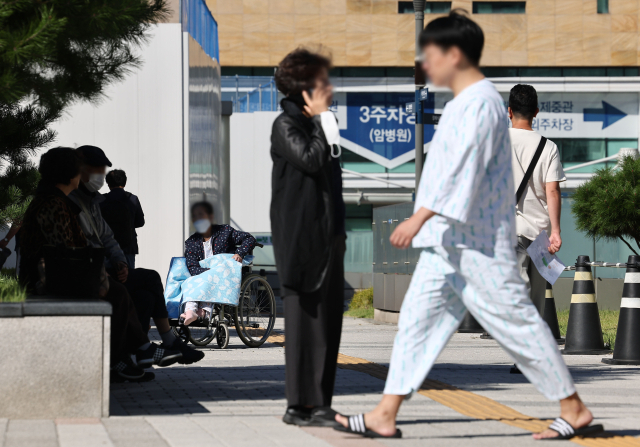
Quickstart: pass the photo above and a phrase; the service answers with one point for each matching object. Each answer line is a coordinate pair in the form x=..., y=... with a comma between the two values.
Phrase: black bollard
x=469, y=325
x=550, y=315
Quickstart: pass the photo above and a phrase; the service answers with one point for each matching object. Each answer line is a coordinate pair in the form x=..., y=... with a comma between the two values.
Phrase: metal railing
x=263, y=98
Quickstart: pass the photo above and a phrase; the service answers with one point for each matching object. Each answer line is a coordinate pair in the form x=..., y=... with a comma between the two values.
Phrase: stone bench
x=54, y=358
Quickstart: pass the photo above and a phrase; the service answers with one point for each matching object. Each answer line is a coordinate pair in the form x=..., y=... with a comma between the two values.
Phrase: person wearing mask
x=308, y=225
x=144, y=285
x=209, y=240
x=123, y=212
x=52, y=219
x=464, y=222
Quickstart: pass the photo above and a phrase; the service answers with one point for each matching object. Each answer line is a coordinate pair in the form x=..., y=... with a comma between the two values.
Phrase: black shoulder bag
x=73, y=271
x=532, y=166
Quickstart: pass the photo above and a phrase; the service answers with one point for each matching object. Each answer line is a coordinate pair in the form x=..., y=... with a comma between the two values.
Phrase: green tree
x=608, y=205
x=53, y=53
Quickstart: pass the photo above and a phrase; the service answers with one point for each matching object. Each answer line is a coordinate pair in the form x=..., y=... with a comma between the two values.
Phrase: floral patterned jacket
x=225, y=239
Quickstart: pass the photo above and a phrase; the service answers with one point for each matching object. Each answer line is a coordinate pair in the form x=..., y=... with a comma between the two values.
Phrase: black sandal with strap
x=357, y=427
x=566, y=431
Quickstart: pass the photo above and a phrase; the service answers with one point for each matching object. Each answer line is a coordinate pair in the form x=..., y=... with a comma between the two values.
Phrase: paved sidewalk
x=235, y=398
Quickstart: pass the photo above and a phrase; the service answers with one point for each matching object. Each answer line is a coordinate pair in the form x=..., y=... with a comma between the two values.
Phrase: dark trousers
x=126, y=333
x=147, y=293
x=313, y=325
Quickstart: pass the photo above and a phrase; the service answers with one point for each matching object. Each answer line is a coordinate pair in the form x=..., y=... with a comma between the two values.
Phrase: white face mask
x=202, y=225
x=96, y=181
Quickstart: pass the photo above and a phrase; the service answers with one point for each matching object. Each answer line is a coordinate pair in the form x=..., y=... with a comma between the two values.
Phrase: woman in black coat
x=307, y=224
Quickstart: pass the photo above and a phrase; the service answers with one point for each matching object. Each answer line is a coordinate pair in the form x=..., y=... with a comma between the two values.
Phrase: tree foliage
x=53, y=53
x=608, y=205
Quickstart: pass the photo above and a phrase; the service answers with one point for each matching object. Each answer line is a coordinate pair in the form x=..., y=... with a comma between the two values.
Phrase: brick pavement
x=235, y=397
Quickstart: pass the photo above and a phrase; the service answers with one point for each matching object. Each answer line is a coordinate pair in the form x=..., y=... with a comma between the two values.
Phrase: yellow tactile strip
x=471, y=404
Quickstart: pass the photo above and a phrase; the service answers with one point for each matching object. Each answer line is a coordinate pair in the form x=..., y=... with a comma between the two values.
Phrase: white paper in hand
x=549, y=266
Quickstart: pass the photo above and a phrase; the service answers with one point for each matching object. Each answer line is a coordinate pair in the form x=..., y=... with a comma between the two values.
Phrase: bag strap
x=91, y=222
x=532, y=166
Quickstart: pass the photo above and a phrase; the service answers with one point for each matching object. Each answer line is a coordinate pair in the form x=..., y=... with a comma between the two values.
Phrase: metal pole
x=418, y=8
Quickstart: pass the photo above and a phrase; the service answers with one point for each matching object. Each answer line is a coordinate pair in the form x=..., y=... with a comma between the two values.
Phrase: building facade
x=580, y=55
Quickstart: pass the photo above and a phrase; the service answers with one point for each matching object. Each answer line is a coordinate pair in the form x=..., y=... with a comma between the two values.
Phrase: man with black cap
x=144, y=285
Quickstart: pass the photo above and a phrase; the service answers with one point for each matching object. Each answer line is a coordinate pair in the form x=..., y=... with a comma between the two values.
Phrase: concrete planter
x=54, y=358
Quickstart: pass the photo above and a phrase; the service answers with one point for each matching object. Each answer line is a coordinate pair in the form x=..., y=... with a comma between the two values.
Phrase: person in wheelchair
x=207, y=241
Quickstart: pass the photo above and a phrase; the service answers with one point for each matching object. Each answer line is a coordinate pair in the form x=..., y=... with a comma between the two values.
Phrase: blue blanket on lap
x=220, y=284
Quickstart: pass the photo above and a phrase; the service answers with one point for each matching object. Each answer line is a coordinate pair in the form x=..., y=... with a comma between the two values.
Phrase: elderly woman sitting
x=207, y=241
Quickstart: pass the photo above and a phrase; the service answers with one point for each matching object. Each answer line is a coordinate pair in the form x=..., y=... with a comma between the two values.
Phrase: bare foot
x=189, y=317
x=382, y=424
x=574, y=412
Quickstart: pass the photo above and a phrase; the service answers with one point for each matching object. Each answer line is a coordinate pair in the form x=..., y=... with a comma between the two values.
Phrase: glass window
x=406, y=168
x=355, y=162
x=584, y=71
x=499, y=7
x=549, y=72
x=574, y=151
x=499, y=72
x=603, y=6
x=429, y=8
x=633, y=71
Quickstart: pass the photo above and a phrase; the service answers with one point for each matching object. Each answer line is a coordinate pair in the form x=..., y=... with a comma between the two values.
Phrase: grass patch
x=608, y=321
x=10, y=289
x=361, y=305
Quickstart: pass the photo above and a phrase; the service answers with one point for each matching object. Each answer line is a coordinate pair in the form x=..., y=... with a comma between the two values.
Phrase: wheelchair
x=253, y=318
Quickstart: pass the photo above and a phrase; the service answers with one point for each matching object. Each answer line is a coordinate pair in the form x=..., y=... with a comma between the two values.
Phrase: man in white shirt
x=463, y=218
x=539, y=206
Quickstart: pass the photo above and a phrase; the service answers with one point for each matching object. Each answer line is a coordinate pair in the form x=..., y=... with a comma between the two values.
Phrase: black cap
x=94, y=156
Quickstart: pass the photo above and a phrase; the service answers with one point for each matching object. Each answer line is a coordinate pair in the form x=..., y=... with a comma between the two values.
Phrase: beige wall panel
x=280, y=44
x=542, y=42
x=384, y=43
x=568, y=7
x=281, y=23
x=211, y=4
x=359, y=23
x=624, y=57
x=513, y=23
x=406, y=42
x=384, y=58
x=623, y=7
x=492, y=41
x=541, y=58
x=385, y=23
x=333, y=24
x=280, y=6
x=384, y=7
x=488, y=22
x=624, y=41
x=514, y=58
x=624, y=23
x=254, y=6
x=230, y=24
x=491, y=58
x=541, y=24
x=229, y=7
x=255, y=23
x=359, y=6
x=569, y=58
x=512, y=41
x=462, y=4
x=307, y=7
x=406, y=58
x=568, y=42
x=569, y=24
x=333, y=7
x=599, y=23
x=541, y=7
x=589, y=7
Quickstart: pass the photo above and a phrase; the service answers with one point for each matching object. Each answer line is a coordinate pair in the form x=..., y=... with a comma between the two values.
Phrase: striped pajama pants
x=449, y=281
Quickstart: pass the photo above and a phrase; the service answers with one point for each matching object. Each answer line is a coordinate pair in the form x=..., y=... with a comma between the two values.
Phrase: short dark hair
x=523, y=101
x=455, y=30
x=59, y=165
x=206, y=205
x=299, y=69
x=116, y=178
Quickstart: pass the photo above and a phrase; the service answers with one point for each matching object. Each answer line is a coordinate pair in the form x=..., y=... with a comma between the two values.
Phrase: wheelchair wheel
x=222, y=335
x=181, y=332
x=256, y=311
x=201, y=336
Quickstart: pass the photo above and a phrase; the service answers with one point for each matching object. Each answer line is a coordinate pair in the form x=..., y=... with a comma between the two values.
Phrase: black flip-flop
x=357, y=427
x=566, y=431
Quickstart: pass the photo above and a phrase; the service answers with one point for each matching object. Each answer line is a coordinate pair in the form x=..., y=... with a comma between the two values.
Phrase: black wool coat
x=302, y=209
